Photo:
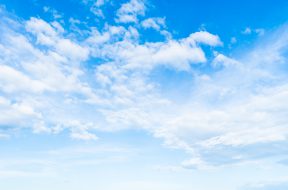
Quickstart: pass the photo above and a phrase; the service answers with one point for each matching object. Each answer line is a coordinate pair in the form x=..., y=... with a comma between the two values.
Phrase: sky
x=143, y=94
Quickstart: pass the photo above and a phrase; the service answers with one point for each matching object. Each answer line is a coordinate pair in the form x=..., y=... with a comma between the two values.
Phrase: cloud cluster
x=51, y=82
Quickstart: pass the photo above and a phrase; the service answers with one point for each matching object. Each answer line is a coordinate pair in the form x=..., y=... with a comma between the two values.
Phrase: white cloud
x=129, y=12
x=96, y=7
x=155, y=23
x=17, y=115
x=12, y=80
x=49, y=35
x=173, y=54
x=222, y=60
x=71, y=50
x=39, y=26
x=204, y=38
x=33, y=72
x=178, y=54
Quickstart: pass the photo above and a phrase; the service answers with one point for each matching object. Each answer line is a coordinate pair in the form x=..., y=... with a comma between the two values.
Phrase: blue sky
x=143, y=94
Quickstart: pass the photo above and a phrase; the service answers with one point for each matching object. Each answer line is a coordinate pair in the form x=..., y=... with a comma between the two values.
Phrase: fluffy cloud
x=129, y=12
